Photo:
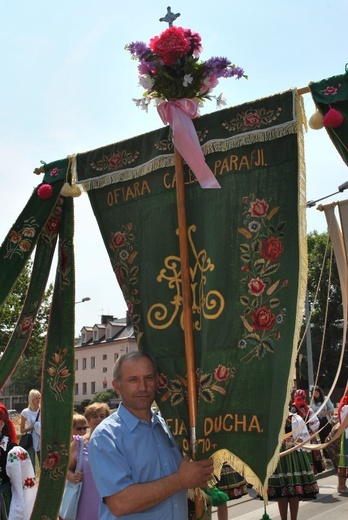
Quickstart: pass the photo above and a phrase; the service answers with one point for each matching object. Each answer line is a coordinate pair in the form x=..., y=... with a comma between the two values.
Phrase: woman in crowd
x=325, y=414
x=313, y=423
x=293, y=480
x=8, y=439
x=31, y=423
x=343, y=457
x=88, y=508
x=17, y=479
x=79, y=424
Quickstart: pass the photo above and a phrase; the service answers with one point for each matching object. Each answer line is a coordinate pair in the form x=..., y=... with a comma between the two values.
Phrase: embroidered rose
x=54, y=172
x=26, y=324
x=118, y=239
x=221, y=373
x=263, y=318
x=258, y=208
x=256, y=286
x=251, y=119
x=53, y=224
x=330, y=91
x=115, y=160
x=162, y=381
x=272, y=248
x=52, y=460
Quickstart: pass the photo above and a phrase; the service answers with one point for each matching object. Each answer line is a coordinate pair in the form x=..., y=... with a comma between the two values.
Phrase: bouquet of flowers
x=170, y=68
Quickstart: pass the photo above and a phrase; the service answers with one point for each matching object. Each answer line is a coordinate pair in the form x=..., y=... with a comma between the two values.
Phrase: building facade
x=96, y=352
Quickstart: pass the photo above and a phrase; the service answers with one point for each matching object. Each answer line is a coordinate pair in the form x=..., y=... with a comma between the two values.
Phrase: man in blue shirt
x=136, y=464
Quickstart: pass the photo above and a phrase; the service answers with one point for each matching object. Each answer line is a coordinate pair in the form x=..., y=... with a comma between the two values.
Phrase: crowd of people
x=132, y=467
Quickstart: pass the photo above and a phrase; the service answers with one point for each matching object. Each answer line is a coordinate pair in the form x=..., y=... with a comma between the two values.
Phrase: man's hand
x=195, y=474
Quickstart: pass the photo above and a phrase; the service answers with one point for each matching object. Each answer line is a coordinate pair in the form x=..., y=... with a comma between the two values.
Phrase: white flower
x=221, y=101
x=187, y=80
x=146, y=81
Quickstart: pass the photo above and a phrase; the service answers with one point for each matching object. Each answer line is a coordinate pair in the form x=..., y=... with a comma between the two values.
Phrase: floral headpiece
x=169, y=68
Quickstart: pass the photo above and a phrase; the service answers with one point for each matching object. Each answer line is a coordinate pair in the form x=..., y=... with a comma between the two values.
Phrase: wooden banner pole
x=187, y=311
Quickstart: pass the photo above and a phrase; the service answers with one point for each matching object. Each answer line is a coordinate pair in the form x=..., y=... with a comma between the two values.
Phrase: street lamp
x=86, y=299
x=341, y=188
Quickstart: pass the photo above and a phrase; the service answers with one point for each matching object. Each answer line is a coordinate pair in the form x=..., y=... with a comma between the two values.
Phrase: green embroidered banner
x=333, y=92
x=39, y=225
x=247, y=268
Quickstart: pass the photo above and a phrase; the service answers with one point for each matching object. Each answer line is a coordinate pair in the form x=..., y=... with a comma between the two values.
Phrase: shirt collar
x=131, y=421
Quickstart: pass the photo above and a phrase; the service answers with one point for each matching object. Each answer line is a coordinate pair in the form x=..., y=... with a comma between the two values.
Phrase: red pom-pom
x=45, y=191
x=333, y=118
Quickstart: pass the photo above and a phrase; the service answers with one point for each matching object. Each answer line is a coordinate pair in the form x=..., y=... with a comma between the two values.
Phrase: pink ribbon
x=179, y=115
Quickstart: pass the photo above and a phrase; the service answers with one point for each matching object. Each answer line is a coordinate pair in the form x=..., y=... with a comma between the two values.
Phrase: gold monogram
x=204, y=306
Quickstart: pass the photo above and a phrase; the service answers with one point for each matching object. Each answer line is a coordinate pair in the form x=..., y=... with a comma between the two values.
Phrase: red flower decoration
x=170, y=45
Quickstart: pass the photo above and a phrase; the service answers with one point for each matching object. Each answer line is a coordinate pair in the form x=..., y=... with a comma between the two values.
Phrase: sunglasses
x=81, y=428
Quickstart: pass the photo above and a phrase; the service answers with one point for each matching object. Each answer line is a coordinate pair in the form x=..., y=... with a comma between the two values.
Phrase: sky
x=67, y=86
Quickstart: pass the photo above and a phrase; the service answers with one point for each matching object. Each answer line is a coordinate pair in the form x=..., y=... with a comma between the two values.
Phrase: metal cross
x=169, y=17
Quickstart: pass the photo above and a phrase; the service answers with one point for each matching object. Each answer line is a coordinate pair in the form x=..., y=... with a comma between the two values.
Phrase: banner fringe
x=165, y=161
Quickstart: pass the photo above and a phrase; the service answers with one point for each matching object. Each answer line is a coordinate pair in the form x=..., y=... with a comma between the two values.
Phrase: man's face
x=137, y=386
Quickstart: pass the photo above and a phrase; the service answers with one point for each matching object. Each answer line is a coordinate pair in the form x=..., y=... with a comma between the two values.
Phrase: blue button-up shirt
x=125, y=450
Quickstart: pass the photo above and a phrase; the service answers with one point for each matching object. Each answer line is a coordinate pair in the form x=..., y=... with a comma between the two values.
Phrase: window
x=76, y=364
x=92, y=362
x=95, y=335
x=84, y=363
x=105, y=356
x=92, y=387
x=105, y=369
x=76, y=389
x=84, y=388
x=83, y=338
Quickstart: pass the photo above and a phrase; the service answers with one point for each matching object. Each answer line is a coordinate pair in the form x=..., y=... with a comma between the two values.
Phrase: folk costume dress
x=5, y=483
x=343, y=456
x=313, y=424
x=293, y=476
x=232, y=483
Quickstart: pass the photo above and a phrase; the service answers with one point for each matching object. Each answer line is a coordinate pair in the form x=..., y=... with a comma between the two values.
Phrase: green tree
x=28, y=371
x=325, y=316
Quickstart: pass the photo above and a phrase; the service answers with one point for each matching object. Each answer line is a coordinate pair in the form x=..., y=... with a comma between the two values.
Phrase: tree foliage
x=325, y=304
x=28, y=371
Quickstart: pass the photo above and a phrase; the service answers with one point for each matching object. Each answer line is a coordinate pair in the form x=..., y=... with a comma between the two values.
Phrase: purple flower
x=234, y=71
x=216, y=66
x=138, y=49
x=144, y=67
